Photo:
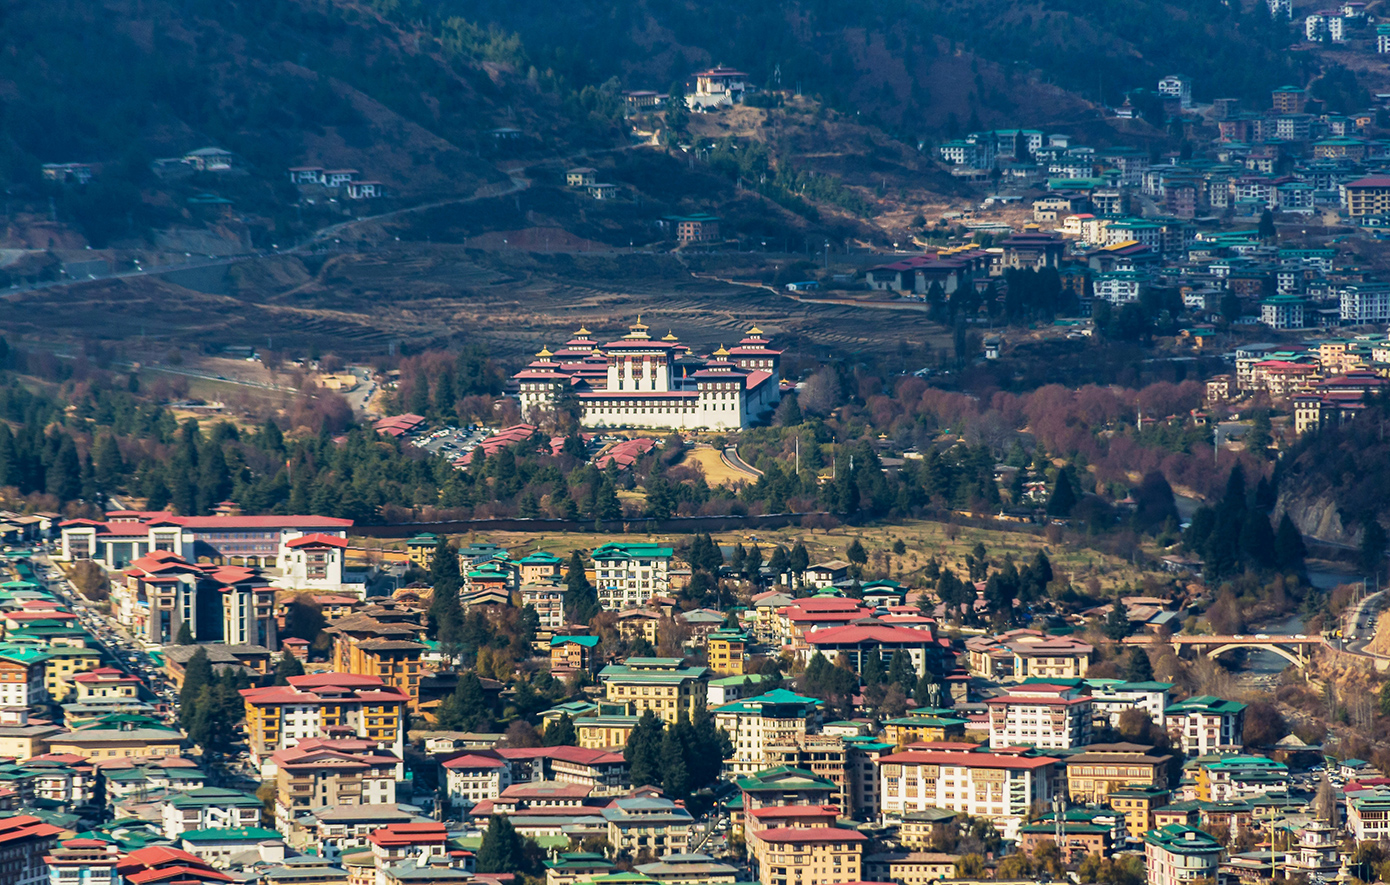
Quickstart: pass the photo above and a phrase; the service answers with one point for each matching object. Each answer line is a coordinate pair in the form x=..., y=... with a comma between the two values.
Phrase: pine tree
x=197, y=674
x=900, y=671
x=1138, y=668
x=675, y=775
x=110, y=467
x=64, y=475
x=1289, y=551
x=856, y=554
x=800, y=560
x=561, y=733
x=1063, y=498
x=185, y=636
x=580, y=598
x=501, y=849
x=286, y=667
x=643, y=750
x=872, y=669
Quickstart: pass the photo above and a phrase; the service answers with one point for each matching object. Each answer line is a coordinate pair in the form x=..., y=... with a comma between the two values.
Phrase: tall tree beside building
x=287, y=667
x=581, y=600
x=502, y=849
x=643, y=750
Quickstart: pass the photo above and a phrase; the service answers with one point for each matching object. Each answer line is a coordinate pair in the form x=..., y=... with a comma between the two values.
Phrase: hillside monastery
x=638, y=381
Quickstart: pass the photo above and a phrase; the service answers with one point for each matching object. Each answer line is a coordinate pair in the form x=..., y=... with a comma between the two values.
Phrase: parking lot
x=452, y=442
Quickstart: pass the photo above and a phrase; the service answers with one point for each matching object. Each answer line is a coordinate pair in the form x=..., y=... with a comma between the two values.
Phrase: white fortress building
x=638, y=381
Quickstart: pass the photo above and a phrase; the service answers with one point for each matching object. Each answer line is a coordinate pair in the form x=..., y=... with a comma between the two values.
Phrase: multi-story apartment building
x=61, y=664
x=726, y=651
x=210, y=808
x=162, y=592
x=1368, y=817
x=1103, y=768
x=1003, y=787
x=1112, y=698
x=83, y=862
x=280, y=716
x=548, y=599
x=1053, y=717
x=318, y=773
x=22, y=672
x=663, y=685
x=1178, y=855
x=1237, y=777
x=24, y=843
x=313, y=561
x=1368, y=196
x=629, y=575
x=253, y=541
x=1206, y=725
x=473, y=777
x=648, y=823
x=807, y=855
x=753, y=724
x=381, y=643
x=824, y=755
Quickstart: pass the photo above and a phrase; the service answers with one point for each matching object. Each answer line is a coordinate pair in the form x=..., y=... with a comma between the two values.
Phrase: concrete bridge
x=1297, y=649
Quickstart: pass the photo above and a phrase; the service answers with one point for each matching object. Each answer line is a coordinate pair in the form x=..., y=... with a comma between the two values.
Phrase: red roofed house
x=227, y=539
x=323, y=704
x=164, y=865
x=106, y=682
x=1053, y=717
x=399, y=425
x=1368, y=196
x=220, y=603
x=473, y=777
x=84, y=862
x=855, y=641
x=312, y=562
x=424, y=844
x=319, y=772
x=807, y=855
x=24, y=842
x=1003, y=787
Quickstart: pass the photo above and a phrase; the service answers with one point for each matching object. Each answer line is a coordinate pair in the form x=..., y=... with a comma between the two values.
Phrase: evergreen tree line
x=210, y=704
x=682, y=758
x=1235, y=535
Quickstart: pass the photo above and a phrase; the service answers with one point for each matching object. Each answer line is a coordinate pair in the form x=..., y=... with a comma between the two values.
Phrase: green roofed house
x=224, y=847
x=692, y=868
x=570, y=654
x=210, y=808
x=629, y=575
x=663, y=685
x=785, y=785
x=1206, y=725
x=568, y=868
x=753, y=724
x=420, y=549
x=730, y=688
x=1177, y=854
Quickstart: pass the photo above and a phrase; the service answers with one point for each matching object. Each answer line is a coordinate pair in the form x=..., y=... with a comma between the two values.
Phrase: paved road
x=1358, y=625
x=731, y=458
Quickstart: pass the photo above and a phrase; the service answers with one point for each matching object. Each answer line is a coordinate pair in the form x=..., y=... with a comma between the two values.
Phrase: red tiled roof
x=869, y=633
x=473, y=760
x=966, y=759
x=318, y=540
x=811, y=834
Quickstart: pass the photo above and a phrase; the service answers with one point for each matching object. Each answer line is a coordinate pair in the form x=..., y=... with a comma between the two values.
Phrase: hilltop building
x=639, y=381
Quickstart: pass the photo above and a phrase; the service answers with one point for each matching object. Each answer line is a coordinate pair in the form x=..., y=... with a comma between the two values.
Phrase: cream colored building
x=807, y=855
x=663, y=685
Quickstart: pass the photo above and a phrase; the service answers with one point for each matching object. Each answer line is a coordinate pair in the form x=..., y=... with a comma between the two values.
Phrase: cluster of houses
x=348, y=182
x=1015, y=729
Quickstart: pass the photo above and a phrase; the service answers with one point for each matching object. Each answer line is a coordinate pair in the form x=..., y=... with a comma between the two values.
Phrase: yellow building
x=1137, y=804
x=364, y=645
x=726, y=651
x=923, y=725
x=280, y=716
x=663, y=685
x=420, y=550
x=64, y=662
x=1103, y=768
x=910, y=867
x=603, y=732
x=807, y=855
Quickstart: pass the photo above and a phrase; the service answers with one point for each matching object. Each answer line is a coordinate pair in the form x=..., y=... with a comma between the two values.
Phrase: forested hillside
x=880, y=57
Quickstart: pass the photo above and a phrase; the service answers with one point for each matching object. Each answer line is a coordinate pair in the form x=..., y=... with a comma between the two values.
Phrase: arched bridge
x=1297, y=649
